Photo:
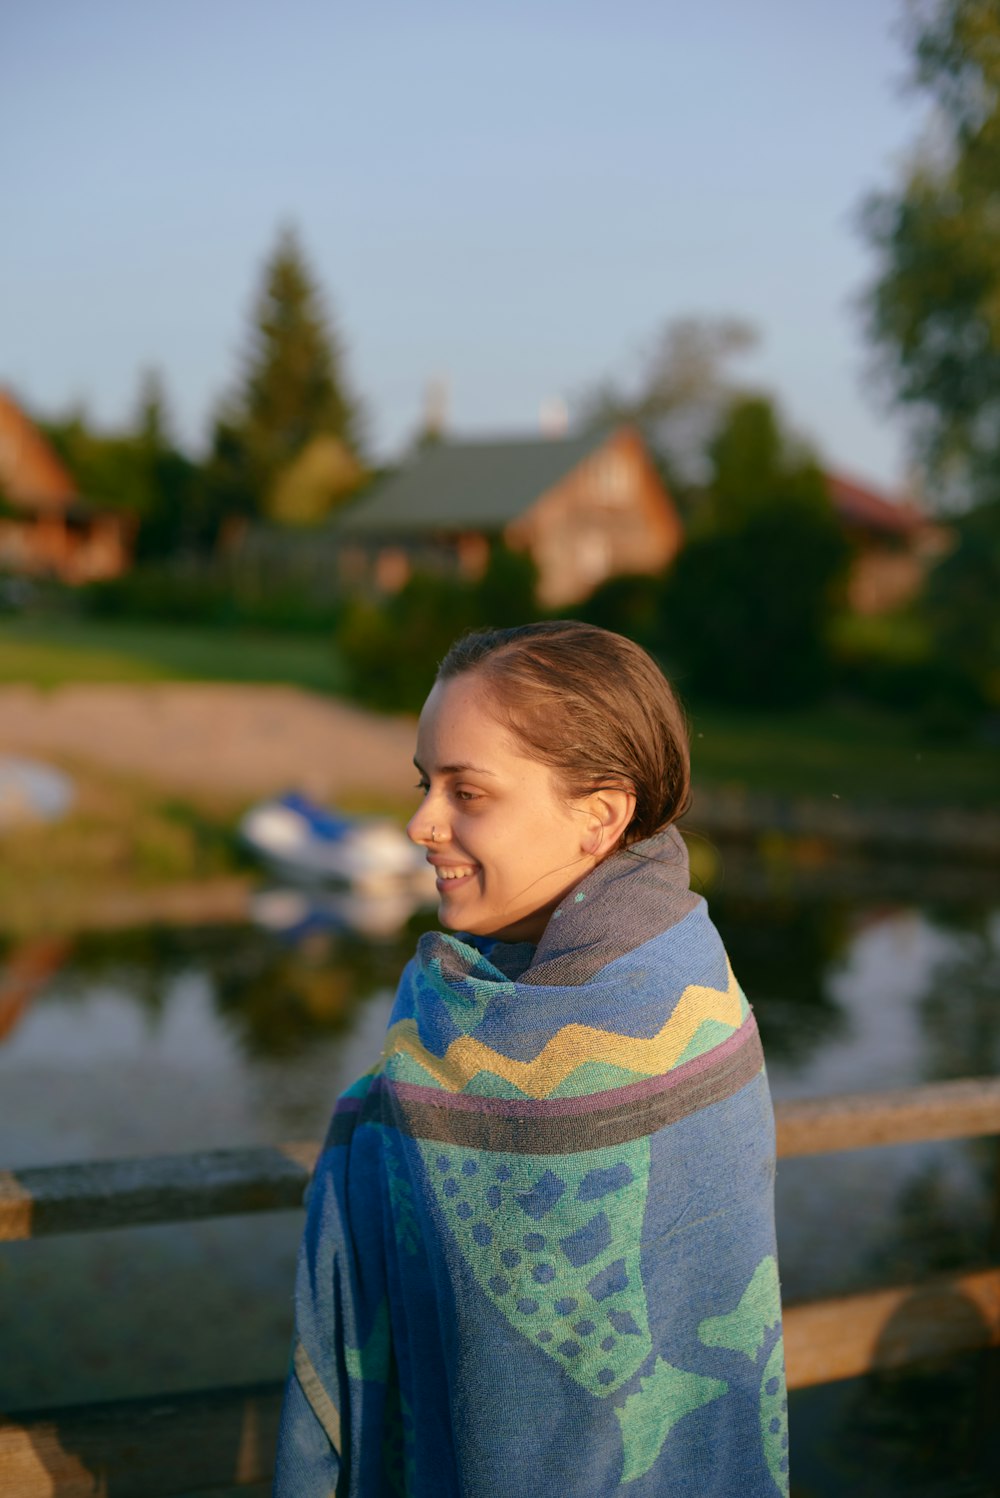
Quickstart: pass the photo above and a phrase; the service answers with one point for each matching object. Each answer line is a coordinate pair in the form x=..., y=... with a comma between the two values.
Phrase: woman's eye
x=463, y=795
x=422, y=786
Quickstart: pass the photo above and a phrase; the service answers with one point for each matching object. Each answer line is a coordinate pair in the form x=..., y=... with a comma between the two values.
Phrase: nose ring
x=433, y=834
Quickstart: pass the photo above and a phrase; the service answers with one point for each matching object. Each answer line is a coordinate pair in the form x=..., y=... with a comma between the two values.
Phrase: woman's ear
x=609, y=811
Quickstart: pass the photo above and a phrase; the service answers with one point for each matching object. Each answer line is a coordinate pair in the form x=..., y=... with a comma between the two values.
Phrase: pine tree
x=166, y=481
x=293, y=388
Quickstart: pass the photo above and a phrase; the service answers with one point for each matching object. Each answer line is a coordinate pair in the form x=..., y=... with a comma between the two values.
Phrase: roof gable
x=31, y=476
x=860, y=505
x=483, y=485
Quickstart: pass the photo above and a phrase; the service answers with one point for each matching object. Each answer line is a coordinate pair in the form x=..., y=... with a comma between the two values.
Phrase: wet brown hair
x=591, y=704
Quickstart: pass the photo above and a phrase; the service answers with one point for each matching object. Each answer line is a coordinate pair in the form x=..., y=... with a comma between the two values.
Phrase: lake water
x=157, y=1040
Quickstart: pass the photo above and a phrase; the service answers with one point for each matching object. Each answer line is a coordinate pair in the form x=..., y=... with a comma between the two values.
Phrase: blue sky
x=516, y=197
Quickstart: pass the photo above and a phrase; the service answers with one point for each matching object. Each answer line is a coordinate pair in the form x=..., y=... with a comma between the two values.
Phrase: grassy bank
x=836, y=749
x=120, y=838
x=49, y=652
x=841, y=750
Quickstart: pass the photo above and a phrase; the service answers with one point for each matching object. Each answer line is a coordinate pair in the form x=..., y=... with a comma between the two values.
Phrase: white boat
x=294, y=912
x=306, y=843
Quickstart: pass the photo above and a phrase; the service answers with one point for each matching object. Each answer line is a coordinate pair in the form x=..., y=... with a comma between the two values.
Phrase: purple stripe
x=349, y=1104
x=626, y=1112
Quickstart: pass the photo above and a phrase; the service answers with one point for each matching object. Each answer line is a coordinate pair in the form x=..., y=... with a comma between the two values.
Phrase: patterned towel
x=539, y=1256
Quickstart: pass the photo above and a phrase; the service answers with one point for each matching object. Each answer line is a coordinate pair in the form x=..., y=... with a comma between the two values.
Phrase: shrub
x=391, y=650
x=745, y=610
x=630, y=606
x=208, y=597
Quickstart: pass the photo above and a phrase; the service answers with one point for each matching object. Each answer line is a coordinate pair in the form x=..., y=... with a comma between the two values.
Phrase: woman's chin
x=449, y=915
x=520, y=928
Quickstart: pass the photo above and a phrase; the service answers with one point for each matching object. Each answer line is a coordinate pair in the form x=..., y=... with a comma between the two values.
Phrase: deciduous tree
x=140, y=470
x=678, y=395
x=746, y=606
x=934, y=311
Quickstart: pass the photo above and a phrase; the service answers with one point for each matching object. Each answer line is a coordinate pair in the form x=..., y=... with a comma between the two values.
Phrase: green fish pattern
x=576, y=1294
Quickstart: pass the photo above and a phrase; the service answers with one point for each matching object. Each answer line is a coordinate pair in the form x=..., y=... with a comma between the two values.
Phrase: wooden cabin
x=893, y=545
x=585, y=509
x=47, y=529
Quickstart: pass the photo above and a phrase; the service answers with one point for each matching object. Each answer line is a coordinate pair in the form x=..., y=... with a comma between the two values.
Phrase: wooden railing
x=224, y=1438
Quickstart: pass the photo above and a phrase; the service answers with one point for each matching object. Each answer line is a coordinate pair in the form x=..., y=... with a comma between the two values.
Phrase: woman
x=539, y=1256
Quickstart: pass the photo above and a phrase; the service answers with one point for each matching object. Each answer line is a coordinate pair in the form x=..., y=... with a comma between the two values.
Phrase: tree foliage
x=324, y=472
x=935, y=309
x=285, y=447
x=746, y=606
x=139, y=470
x=961, y=603
x=105, y=466
x=293, y=390
x=171, y=484
x=759, y=469
x=935, y=314
x=392, y=649
x=679, y=395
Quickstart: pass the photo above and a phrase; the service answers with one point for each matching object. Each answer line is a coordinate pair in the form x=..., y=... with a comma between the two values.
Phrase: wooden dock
x=223, y=1439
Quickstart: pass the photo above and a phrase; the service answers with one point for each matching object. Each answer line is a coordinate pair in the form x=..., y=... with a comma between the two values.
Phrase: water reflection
x=782, y=951
x=157, y=1039
x=959, y=1010
x=849, y=995
x=928, y=1431
x=294, y=912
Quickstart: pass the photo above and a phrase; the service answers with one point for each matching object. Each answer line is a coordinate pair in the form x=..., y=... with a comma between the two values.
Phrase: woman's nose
x=420, y=828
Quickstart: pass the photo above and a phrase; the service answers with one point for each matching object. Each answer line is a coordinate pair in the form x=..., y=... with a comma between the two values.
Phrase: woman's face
x=504, y=841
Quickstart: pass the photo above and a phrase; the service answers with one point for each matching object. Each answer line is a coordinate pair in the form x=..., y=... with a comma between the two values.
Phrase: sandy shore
x=244, y=741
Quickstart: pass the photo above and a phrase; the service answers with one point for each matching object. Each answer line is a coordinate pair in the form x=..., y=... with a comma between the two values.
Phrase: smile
x=454, y=872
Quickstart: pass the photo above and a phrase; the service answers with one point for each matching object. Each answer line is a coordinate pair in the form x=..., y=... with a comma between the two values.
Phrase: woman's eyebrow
x=456, y=769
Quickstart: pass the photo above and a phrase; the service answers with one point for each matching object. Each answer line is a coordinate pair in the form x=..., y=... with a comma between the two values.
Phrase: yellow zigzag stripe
x=573, y=1045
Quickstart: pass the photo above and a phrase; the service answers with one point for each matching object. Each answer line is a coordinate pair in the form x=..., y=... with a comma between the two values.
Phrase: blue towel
x=539, y=1257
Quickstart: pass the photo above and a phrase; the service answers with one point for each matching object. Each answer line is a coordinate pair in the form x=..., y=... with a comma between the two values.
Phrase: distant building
x=894, y=544
x=46, y=528
x=584, y=508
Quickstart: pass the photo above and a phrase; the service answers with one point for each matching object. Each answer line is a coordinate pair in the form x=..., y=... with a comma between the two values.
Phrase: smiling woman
x=539, y=1254
x=504, y=839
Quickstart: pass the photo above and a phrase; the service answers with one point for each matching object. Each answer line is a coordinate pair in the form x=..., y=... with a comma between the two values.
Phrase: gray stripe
x=639, y=891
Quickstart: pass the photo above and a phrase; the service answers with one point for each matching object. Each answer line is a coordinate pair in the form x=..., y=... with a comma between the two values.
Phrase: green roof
x=480, y=486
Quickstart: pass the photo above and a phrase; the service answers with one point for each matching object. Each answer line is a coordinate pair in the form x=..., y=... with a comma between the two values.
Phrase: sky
x=513, y=197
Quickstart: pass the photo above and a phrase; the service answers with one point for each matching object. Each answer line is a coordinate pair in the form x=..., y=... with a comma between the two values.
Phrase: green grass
x=120, y=836
x=49, y=652
x=840, y=750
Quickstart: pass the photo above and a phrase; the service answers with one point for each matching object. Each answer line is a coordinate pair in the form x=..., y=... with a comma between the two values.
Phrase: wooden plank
x=216, y=1183
x=178, y=1444
x=160, y=1188
x=834, y=1339
x=143, y=1448
x=940, y=1110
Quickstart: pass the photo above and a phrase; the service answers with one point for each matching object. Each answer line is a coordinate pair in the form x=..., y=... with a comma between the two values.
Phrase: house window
x=392, y=569
x=473, y=556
